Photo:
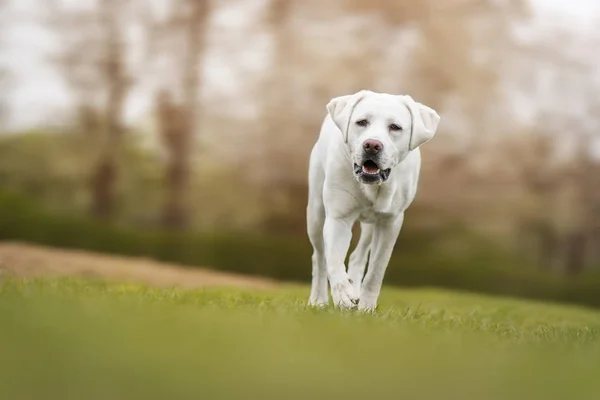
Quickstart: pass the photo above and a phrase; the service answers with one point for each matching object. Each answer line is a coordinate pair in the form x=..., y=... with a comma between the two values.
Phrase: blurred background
x=180, y=130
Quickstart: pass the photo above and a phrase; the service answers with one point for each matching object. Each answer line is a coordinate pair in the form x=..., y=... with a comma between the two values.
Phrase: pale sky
x=39, y=95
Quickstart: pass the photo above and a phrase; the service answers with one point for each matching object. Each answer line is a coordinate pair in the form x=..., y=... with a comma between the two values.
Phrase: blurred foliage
x=421, y=258
x=54, y=168
x=506, y=203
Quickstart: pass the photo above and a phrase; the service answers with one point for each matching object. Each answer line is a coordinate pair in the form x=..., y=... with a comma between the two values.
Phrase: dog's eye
x=362, y=122
x=394, y=127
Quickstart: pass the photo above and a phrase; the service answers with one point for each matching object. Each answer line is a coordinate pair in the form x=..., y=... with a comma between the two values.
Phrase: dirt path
x=32, y=260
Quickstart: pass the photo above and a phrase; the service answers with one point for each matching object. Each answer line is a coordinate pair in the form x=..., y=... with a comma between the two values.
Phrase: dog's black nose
x=372, y=146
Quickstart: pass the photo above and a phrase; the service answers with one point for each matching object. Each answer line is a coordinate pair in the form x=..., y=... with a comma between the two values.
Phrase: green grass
x=74, y=339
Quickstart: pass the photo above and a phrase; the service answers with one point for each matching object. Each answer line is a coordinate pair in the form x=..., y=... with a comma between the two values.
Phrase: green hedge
x=415, y=261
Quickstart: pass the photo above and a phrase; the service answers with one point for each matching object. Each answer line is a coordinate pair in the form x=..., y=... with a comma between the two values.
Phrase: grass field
x=68, y=338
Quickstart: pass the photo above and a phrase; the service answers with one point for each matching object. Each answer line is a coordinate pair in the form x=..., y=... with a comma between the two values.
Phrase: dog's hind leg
x=360, y=256
x=319, y=295
x=315, y=220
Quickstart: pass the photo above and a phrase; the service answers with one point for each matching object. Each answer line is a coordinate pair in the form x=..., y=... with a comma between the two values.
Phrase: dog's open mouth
x=370, y=167
x=370, y=172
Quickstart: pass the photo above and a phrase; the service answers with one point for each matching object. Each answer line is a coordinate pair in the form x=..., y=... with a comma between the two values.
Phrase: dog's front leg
x=384, y=237
x=337, y=234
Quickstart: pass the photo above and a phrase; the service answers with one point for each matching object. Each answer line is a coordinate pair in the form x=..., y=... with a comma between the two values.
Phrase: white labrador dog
x=365, y=166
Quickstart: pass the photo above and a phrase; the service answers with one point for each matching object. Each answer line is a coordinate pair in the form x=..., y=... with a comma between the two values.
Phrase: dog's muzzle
x=370, y=172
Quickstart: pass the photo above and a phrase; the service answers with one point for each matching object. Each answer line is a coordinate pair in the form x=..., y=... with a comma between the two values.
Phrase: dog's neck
x=380, y=195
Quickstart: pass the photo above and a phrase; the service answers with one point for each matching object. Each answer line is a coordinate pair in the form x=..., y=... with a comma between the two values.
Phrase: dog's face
x=378, y=136
x=380, y=130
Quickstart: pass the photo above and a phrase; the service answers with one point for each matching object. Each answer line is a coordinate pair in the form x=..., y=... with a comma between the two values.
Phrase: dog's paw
x=318, y=303
x=344, y=295
x=367, y=304
x=367, y=308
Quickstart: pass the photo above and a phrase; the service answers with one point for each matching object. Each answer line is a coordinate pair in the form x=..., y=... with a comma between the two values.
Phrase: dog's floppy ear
x=425, y=122
x=340, y=109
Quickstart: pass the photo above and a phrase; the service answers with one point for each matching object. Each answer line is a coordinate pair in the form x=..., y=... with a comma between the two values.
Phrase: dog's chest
x=377, y=204
x=369, y=216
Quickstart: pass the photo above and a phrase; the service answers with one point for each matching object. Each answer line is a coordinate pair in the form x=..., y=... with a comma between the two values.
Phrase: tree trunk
x=276, y=94
x=173, y=128
x=176, y=206
x=548, y=245
x=575, y=253
x=105, y=176
x=103, y=183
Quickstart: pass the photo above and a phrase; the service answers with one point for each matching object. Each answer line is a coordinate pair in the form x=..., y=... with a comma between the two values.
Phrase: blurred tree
x=4, y=70
x=180, y=36
x=387, y=17
x=56, y=179
x=115, y=75
x=463, y=53
x=457, y=58
x=4, y=101
x=562, y=178
x=94, y=61
x=278, y=95
x=176, y=213
x=454, y=56
x=173, y=124
x=541, y=179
